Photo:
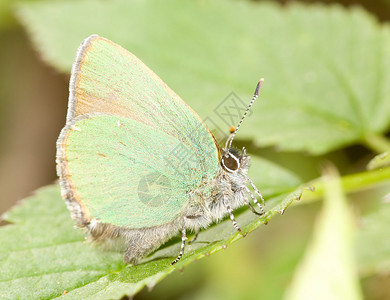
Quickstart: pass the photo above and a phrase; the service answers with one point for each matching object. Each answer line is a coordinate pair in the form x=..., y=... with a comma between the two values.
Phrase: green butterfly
x=136, y=162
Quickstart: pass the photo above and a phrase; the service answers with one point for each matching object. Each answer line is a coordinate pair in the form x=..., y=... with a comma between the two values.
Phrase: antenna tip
x=258, y=87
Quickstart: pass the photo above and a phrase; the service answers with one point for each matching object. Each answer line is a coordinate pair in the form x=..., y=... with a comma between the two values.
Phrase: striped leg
x=253, y=209
x=230, y=211
x=256, y=190
x=194, y=237
x=183, y=242
x=256, y=202
x=247, y=201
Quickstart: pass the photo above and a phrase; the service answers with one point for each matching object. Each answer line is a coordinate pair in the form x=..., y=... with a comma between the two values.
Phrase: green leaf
x=317, y=96
x=42, y=255
x=372, y=244
x=7, y=18
x=328, y=269
x=272, y=179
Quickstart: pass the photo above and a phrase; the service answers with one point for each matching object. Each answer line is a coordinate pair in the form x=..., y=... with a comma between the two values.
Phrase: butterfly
x=135, y=162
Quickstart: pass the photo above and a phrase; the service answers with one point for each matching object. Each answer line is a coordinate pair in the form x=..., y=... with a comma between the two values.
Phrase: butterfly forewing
x=132, y=149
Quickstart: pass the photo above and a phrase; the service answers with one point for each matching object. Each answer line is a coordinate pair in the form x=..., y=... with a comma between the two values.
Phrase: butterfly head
x=233, y=161
x=230, y=161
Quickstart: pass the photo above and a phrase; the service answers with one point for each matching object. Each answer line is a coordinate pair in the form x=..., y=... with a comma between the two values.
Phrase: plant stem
x=351, y=183
x=377, y=143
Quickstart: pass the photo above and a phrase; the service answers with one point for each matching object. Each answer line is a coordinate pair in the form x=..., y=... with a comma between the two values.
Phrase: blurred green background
x=33, y=102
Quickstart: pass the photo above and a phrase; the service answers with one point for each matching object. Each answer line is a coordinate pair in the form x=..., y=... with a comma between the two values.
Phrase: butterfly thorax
x=230, y=183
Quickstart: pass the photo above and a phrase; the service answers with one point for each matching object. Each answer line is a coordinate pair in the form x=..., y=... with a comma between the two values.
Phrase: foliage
x=326, y=88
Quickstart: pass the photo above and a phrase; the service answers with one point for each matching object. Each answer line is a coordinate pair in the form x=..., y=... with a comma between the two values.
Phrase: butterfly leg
x=256, y=191
x=230, y=211
x=242, y=191
x=183, y=242
x=194, y=237
x=262, y=212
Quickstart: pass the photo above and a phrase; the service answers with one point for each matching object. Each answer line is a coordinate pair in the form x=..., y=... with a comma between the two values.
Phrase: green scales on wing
x=133, y=149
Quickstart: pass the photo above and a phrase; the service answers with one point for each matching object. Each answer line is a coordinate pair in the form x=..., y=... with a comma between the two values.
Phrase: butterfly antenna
x=255, y=95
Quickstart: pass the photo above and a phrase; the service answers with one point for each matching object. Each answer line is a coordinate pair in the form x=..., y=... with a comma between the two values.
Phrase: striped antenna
x=255, y=95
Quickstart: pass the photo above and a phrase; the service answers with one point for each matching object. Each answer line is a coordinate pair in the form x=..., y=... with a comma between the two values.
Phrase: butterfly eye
x=230, y=162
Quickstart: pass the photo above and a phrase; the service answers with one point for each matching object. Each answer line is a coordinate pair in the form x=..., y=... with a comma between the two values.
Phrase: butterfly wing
x=132, y=149
x=107, y=78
